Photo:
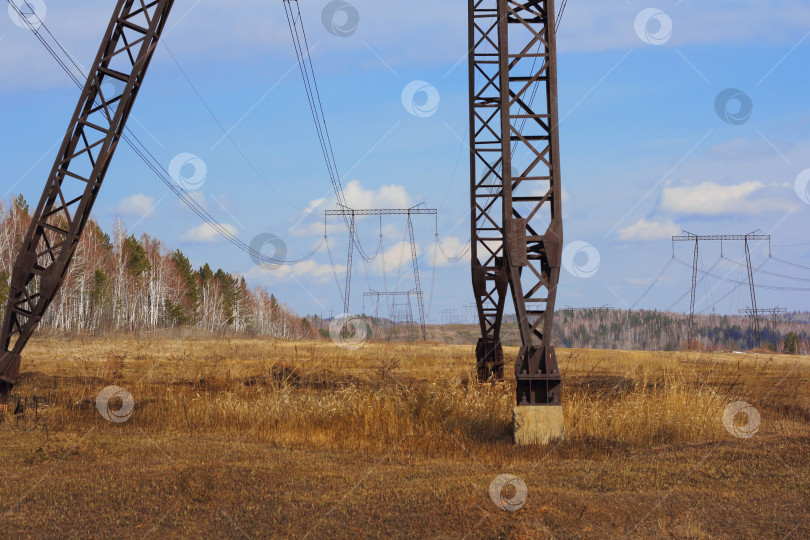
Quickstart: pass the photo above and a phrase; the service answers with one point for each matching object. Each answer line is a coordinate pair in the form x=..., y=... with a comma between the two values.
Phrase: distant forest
x=655, y=330
x=652, y=331
x=120, y=283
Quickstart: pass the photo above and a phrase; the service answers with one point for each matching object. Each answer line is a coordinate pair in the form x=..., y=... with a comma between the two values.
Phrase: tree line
x=120, y=283
x=667, y=331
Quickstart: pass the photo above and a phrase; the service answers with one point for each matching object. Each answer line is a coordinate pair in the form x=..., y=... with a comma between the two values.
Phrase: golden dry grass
x=332, y=414
x=318, y=393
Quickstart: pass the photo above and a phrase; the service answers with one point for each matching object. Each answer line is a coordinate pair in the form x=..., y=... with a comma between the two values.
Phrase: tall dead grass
x=382, y=394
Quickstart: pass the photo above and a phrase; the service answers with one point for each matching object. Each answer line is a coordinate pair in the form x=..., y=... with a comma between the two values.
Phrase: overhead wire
x=304, y=57
x=708, y=294
x=401, y=260
x=455, y=258
x=331, y=260
x=303, y=53
x=735, y=288
x=365, y=256
x=654, y=282
x=432, y=281
x=148, y=158
x=775, y=274
x=689, y=291
x=221, y=127
x=560, y=15
x=791, y=263
x=759, y=286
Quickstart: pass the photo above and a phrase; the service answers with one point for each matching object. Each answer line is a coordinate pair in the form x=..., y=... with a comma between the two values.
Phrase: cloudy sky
x=675, y=115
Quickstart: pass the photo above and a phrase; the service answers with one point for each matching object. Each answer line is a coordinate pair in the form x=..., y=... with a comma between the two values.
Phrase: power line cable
x=560, y=15
x=332, y=261
x=654, y=282
x=729, y=280
x=222, y=128
x=149, y=159
x=688, y=292
x=791, y=263
x=775, y=274
x=706, y=283
x=307, y=68
x=734, y=289
x=302, y=53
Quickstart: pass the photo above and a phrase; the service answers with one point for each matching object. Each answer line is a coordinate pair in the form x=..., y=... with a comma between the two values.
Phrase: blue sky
x=644, y=151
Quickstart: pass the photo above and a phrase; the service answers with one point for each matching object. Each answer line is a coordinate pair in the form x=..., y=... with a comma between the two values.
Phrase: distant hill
x=649, y=330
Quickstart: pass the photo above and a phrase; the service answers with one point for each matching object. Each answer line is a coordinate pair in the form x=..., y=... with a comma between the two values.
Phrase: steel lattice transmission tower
x=757, y=313
x=515, y=187
x=352, y=215
x=746, y=239
x=403, y=316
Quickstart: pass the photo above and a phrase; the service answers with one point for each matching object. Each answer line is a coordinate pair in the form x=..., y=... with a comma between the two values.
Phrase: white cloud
x=452, y=246
x=396, y=258
x=206, y=233
x=391, y=196
x=316, y=229
x=591, y=25
x=197, y=196
x=710, y=199
x=137, y=205
x=644, y=230
x=357, y=197
x=313, y=205
x=310, y=271
x=218, y=32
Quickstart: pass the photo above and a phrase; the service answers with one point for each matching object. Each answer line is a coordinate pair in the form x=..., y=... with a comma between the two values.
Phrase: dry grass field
x=256, y=439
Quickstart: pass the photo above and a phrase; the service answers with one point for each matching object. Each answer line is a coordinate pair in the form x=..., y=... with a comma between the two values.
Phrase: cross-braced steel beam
x=489, y=275
x=532, y=191
x=517, y=214
x=77, y=174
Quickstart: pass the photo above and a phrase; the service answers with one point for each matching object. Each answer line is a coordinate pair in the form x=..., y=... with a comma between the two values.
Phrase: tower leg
x=532, y=207
x=76, y=177
x=489, y=277
x=489, y=360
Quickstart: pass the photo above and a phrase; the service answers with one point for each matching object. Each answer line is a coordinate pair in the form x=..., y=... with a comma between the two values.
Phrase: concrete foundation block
x=542, y=424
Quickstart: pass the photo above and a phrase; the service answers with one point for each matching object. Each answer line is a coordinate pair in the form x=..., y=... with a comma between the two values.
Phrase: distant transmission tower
x=409, y=212
x=755, y=313
x=747, y=239
x=398, y=313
